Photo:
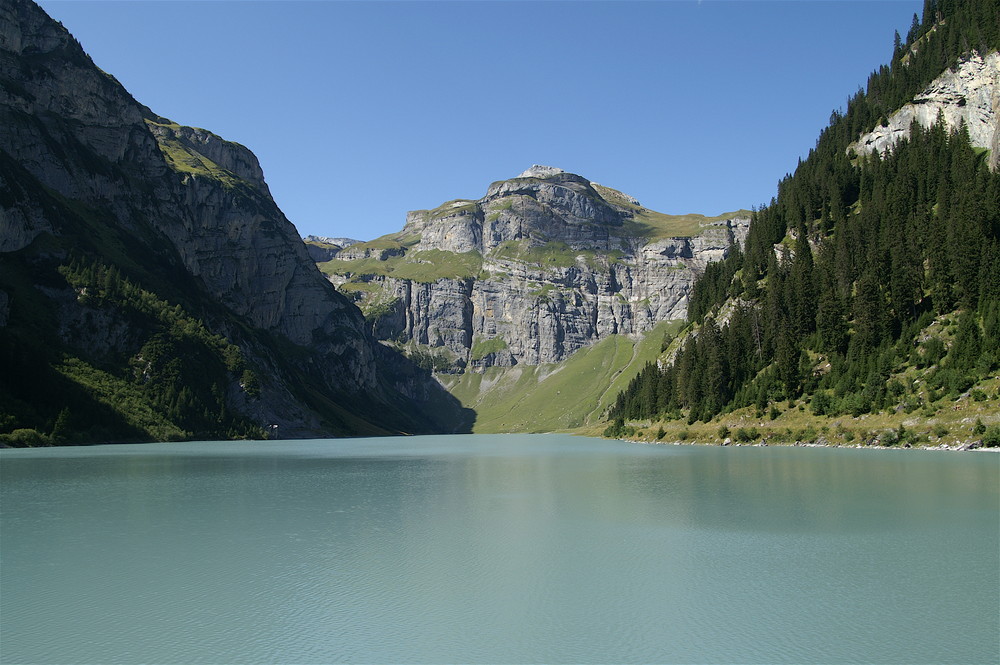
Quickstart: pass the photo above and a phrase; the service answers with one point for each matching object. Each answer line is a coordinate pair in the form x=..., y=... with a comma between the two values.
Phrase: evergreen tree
x=895, y=238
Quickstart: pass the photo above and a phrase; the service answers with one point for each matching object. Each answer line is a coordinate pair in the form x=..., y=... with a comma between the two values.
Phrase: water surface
x=503, y=548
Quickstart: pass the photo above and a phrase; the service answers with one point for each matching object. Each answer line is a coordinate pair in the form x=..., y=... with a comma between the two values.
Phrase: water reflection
x=802, y=490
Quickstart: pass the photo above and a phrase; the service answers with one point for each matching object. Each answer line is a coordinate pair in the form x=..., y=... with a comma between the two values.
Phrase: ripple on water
x=520, y=554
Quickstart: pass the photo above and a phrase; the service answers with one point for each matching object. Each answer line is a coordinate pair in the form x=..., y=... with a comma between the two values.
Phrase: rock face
x=541, y=266
x=322, y=248
x=89, y=170
x=970, y=95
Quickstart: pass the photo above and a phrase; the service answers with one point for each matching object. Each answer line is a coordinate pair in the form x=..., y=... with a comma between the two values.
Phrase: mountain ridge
x=164, y=239
x=542, y=265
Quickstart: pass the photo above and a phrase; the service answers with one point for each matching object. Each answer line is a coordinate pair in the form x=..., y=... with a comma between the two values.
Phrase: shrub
x=820, y=403
x=746, y=434
x=780, y=437
x=723, y=431
x=992, y=437
x=986, y=363
x=615, y=429
x=855, y=404
x=250, y=383
x=979, y=427
x=25, y=438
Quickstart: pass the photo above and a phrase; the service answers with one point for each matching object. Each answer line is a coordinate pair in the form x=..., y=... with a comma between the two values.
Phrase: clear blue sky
x=360, y=111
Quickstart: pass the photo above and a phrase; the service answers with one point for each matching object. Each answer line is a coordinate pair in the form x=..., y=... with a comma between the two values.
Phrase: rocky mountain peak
x=541, y=266
x=539, y=171
x=205, y=150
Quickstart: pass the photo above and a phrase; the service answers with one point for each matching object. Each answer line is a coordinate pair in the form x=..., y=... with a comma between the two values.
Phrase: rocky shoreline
x=966, y=446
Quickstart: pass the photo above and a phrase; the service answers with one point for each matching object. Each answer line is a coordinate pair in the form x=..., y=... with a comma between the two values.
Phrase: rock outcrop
x=969, y=94
x=186, y=216
x=323, y=248
x=544, y=264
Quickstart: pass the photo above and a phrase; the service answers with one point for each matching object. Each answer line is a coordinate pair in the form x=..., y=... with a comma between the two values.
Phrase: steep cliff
x=543, y=265
x=967, y=95
x=147, y=270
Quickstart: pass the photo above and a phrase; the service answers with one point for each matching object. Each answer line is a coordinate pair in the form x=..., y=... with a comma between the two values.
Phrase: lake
x=497, y=548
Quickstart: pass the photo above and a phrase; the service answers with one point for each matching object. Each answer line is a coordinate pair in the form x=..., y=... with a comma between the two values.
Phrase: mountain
x=538, y=302
x=323, y=248
x=543, y=265
x=965, y=94
x=150, y=287
x=865, y=306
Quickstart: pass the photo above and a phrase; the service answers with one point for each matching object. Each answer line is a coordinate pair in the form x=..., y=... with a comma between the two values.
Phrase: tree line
x=856, y=257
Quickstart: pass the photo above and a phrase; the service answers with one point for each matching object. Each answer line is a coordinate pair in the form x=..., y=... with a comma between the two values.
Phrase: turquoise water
x=497, y=549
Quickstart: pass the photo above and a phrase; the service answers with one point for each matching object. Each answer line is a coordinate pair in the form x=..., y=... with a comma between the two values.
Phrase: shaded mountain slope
x=150, y=287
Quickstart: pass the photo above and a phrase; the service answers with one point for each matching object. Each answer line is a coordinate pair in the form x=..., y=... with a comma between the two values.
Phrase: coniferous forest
x=849, y=269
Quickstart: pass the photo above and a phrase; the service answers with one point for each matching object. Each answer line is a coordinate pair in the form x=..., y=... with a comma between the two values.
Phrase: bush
x=855, y=404
x=250, y=383
x=954, y=382
x=723, y=432
x=979, y=427
x=660, y=433
x=430, y=360
x=992, y=437
x=747, y=434
x=25, y=438
x=820, y=403
x=986, y=363
x=615, y=429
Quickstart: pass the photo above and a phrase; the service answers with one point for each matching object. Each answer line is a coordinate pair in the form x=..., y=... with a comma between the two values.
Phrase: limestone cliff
x=168, y=215
x=969, y=94
x=543, y=265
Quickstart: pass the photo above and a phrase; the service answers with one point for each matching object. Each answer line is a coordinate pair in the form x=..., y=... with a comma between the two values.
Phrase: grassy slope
x=564, y=396
x=419, y=266
x=654, y=225
x=947, y=422
x=657, y=225
x=185, y=159
x=408, y=261
x=928, y=418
